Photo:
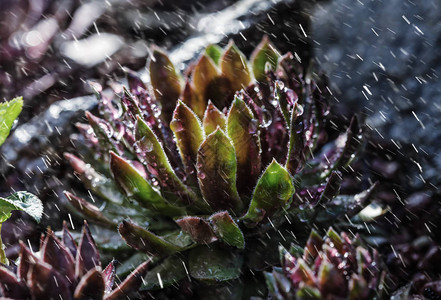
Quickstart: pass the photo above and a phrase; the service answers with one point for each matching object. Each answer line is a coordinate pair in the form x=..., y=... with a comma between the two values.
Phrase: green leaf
x=165, y=81
x=214, y=264
x=23, y=201
x=242, y=128
x=213, y=118
x=136, y=186
x=234, y=66
x=9, y=111
x=157, y=162
x=272, y=193
x=264, y=53
x=188, y=133
x=227, y=230
x=168, y=272
x=143, y=240
x=216, y=170
x=214, y=52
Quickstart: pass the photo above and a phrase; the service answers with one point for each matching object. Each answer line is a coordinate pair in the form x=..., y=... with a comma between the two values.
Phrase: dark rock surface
x=383, y=58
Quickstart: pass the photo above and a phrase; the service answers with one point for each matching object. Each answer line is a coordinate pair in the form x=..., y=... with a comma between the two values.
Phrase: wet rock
x=382, y=59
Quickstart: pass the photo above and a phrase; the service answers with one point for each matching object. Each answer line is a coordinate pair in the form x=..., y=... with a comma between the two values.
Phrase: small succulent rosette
x=63, y=270
x=333, y=267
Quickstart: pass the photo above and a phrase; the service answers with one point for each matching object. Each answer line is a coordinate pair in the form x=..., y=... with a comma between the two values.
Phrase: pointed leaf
x=136, y=186
x=88, y=256
x=131, y=284
x=216, y=167
x=188, y=133
x=21, y=201
x=27, y=259
x=264, y=52
x=9, y=111
x=313, y=245
x=91, y=286
x=89, y=210
x=286, y=99
x=156, y=160
x=145, y=241
x=214, y=264
x=348, y=144
x=193, y=100
x=168, y=272
x=332, y=188
x=199, y=230
x=55, y=254
x=204, y=74
x=68, y=240
x=11, y=287
x=46, y=283
x=227, y=230
x=272, y=193
x=213, y=118
x=165, y=82
x=234, y=66
x=302, y=273
x=109, y=276
x=242, y=129
x=214, y=52
x=296, y=156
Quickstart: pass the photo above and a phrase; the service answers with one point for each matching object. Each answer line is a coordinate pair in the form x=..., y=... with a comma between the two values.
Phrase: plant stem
x=3, y=258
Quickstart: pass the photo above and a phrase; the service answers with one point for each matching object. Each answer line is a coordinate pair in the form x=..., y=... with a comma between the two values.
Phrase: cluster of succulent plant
x=63, y=270
x=216, y=164
x=333, y=267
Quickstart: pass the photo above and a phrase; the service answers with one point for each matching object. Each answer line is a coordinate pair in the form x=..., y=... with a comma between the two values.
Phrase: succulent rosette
x=333, y=267
x=199, y=169
x=64, y=270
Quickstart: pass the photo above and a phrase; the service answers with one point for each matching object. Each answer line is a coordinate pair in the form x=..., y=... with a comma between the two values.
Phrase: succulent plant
x=209, y=165
x=333, y=267
x=63, y=270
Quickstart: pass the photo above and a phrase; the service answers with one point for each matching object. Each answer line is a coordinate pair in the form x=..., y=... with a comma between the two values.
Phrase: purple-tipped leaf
x=46, y=283
x=296, y=146
x=88, y=256
x=109, y=276
x=199, y=230
x=91, y=286
x=11, y=287
x=165, y=81
x=131, y=284
x=234, y=66
x=68, y=240
x=55, y=254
